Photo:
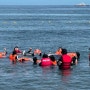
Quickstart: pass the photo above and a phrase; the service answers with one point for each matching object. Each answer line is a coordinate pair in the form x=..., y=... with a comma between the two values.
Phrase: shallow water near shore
x=46, y=28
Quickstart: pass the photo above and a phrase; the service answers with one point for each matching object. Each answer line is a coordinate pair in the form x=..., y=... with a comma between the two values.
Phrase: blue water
x=46, y=28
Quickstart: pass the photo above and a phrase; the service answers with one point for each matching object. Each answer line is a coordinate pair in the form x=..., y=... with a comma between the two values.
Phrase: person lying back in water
x=3, y=54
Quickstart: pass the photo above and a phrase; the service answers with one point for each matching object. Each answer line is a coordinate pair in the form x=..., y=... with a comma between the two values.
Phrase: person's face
x=16, y=48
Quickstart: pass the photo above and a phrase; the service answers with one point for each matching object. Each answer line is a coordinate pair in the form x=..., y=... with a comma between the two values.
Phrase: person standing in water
x=45, y=60
x=65, y=60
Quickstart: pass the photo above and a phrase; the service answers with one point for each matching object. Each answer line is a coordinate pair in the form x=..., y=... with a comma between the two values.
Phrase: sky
x=43, y=2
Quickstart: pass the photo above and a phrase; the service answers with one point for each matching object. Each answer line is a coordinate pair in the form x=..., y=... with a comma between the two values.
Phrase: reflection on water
x=65, y=75
x=47, y=70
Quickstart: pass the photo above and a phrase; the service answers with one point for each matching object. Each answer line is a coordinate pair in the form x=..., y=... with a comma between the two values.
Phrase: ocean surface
x=46, y=28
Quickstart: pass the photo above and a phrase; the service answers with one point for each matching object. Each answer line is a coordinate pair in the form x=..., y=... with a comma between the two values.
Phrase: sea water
x=46, y=28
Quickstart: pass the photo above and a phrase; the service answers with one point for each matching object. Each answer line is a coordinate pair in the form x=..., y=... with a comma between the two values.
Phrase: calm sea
x=46, y=28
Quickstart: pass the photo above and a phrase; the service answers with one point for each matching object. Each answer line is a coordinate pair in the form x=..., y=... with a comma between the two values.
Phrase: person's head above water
x=45, y=55
x=64, y=51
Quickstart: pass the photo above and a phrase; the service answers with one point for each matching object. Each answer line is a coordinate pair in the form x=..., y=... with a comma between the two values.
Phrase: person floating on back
x=59, y=51
x=37, y=51
x=3, y=54
x=28, y=53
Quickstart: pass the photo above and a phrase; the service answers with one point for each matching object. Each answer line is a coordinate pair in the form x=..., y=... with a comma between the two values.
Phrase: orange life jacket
x=12, y=57
x=72, y=54
x=24, y=59
x=2, y=54
x=37, y=51
x=58, y=52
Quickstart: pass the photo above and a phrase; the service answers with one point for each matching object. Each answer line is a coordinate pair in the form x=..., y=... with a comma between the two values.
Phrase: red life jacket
x=18, y=51
x=66, y=61
x=46, y=62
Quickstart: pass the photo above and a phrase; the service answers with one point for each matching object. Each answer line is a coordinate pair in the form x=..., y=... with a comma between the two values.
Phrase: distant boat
x=81, y=4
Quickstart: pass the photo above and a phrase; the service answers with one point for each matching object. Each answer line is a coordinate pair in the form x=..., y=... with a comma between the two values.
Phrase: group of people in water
x=64, y=61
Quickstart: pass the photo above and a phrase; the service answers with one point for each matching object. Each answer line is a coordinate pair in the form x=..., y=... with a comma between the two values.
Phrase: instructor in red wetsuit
x=65, y=61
